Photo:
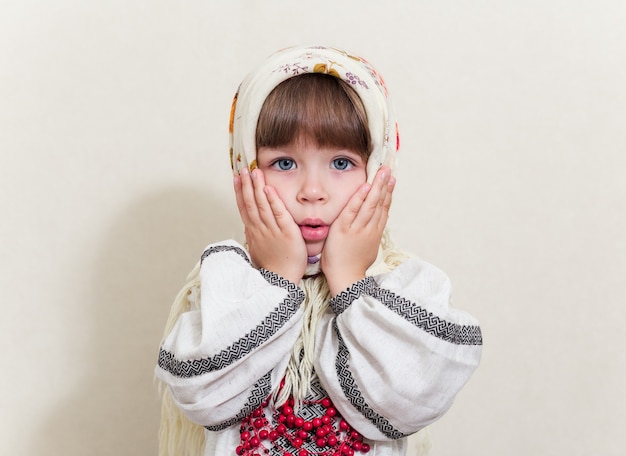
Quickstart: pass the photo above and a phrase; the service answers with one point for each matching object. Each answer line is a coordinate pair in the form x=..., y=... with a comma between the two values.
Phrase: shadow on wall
x=142, y=263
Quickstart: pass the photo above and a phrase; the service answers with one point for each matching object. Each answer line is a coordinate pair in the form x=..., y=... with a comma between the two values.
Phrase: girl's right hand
x=274, y=239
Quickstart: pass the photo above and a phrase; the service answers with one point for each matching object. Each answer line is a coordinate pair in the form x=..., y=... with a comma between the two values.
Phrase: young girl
x=318, y=337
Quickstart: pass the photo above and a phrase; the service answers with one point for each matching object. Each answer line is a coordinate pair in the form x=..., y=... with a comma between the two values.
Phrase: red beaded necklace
x=326, y=434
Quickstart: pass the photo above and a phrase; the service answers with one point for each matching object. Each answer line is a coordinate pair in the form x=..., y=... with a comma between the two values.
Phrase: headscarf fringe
x=178, y=436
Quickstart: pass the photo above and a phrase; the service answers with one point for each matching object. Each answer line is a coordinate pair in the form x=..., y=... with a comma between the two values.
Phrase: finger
x=248, y=199
x=382, y=191
x=263, y=206
x=239, y=198
x=391, y=185
x=281, y=215
x=387, y=185
x=350, y=212
x=379, y=186
x=386, y=205
x=372, y=206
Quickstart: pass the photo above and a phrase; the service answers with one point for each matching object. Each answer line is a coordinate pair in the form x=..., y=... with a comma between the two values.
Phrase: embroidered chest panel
x=316, y=428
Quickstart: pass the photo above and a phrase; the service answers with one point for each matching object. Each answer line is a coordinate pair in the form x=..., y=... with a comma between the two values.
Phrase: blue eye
x=285, y=164
x=341, y=163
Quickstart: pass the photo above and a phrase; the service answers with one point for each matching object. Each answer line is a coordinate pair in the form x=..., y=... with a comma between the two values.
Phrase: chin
x=314, y=250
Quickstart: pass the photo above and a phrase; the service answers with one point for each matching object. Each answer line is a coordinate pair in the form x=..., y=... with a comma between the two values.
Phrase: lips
x=314, y=230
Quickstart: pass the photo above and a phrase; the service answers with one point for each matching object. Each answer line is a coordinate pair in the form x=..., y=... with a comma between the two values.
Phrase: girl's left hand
x=354, y=237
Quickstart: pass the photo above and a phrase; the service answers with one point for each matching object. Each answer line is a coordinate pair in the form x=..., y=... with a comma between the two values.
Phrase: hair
x=314, y=106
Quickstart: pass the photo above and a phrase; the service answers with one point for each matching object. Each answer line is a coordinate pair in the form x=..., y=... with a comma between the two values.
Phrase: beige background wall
x=114, y=174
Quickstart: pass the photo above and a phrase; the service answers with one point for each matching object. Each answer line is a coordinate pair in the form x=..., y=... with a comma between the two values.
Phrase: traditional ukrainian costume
x=387, y=355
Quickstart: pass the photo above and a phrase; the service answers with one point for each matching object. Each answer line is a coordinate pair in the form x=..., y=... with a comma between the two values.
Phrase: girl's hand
x=274, y=240
x=354, y=237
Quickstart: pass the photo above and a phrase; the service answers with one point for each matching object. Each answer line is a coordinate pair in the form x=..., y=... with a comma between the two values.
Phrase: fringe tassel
x=178, y=436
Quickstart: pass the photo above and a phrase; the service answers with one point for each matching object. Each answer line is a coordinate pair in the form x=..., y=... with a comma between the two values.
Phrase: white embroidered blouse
x=391, y=355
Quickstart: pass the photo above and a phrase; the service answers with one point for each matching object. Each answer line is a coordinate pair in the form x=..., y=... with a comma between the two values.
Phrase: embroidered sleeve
x=393, y=353
x=220, y=361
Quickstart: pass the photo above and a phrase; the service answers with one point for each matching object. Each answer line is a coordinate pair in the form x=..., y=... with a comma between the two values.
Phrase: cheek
x=282, y=186
x=349, y=188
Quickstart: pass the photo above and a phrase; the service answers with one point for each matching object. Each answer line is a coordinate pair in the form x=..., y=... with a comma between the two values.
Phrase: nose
x=312, y=189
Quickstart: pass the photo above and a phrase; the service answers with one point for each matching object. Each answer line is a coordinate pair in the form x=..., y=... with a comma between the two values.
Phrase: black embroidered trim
x=279, y=281
x=353, y=394
x=246, y=344
x=260, y=391
x=343, y=300
x=427, y=321
x=224, y=248
x=411, y=312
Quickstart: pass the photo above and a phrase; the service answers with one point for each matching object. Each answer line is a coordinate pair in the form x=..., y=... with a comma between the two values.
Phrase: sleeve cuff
x=279, y=281
x=343, y=300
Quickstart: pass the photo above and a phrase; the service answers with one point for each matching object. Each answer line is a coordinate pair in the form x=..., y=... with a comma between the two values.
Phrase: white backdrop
x=114, y=171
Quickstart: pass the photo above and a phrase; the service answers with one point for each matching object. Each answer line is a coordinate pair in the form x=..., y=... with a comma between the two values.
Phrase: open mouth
x=314, y=231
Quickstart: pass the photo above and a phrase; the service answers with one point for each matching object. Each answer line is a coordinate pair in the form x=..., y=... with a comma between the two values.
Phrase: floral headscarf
x=294, y=61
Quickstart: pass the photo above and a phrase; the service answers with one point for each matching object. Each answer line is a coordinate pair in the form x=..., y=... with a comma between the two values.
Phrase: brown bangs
x=315, y=106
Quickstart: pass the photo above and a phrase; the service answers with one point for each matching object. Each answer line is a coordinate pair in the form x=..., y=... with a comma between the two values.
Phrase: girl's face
x=315, y=184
